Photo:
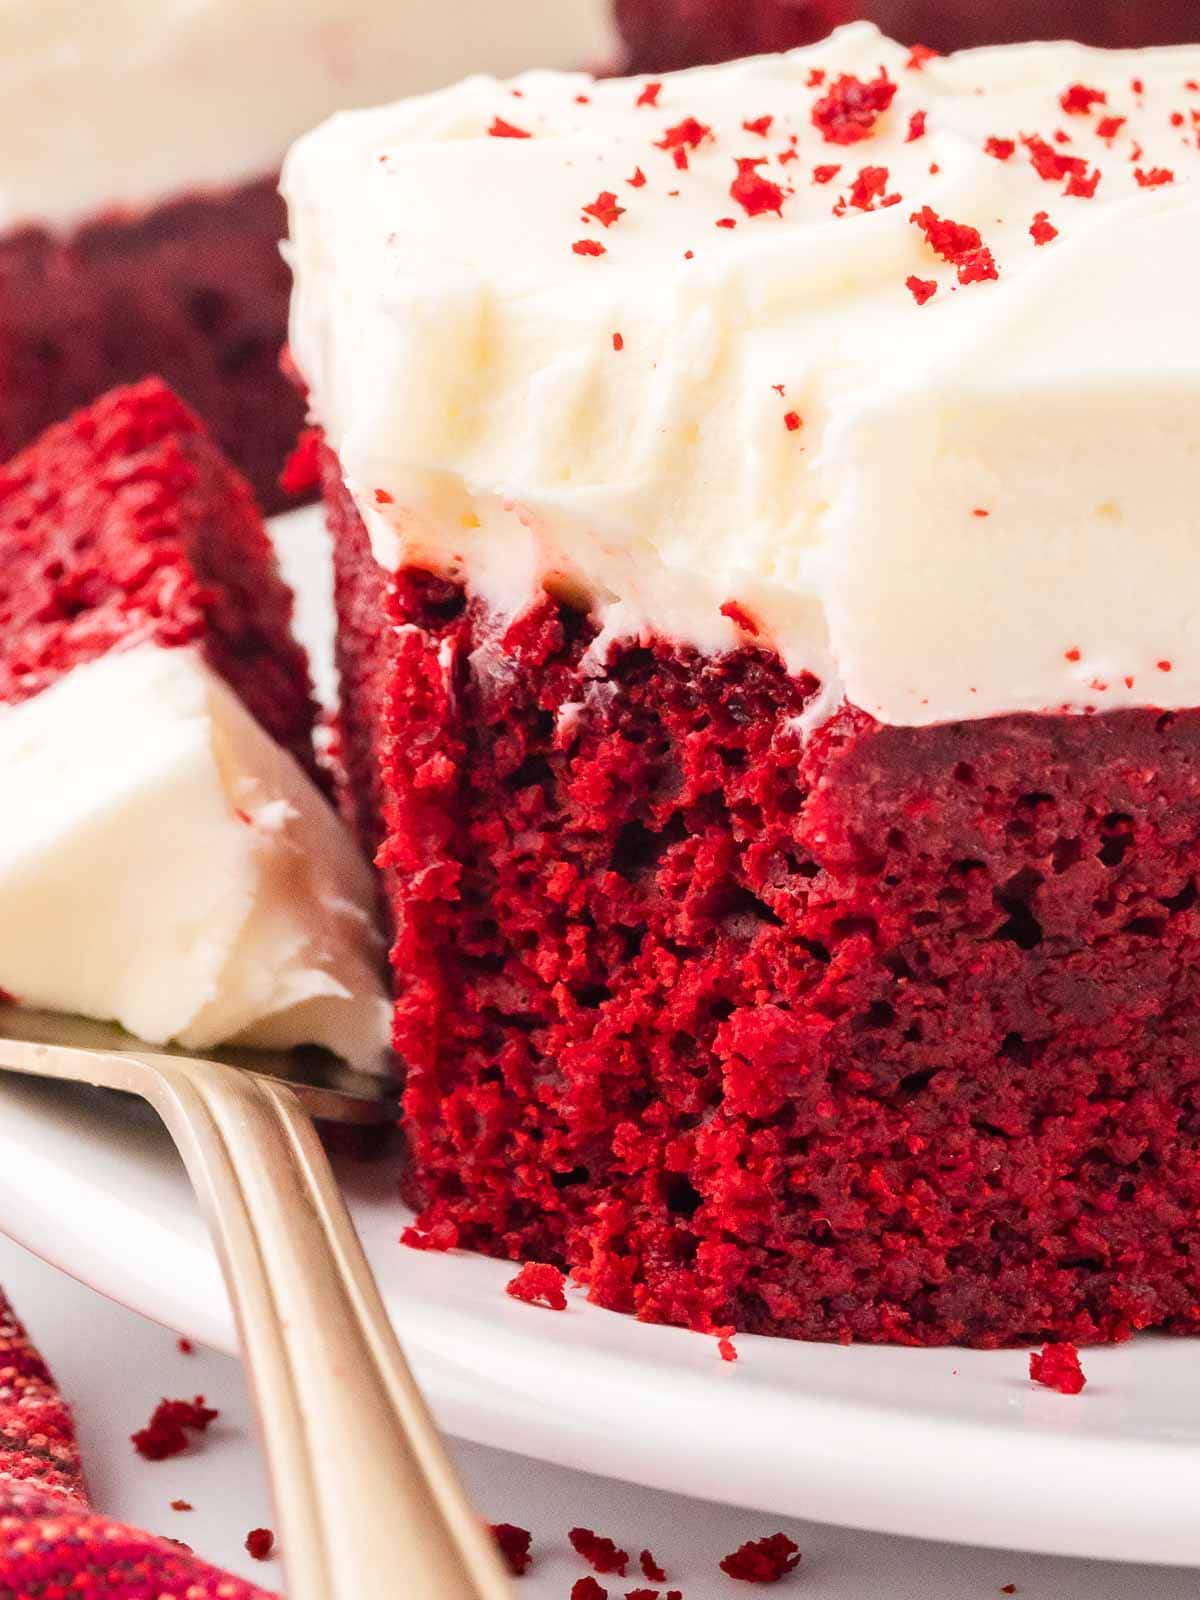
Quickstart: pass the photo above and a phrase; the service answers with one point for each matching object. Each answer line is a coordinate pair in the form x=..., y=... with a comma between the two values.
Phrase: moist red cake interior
x=890, y=1035
x=195, y=291
x=125, y=524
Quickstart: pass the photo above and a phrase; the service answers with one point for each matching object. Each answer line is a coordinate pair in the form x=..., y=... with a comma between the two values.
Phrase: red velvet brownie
x=662, y=35
x=139, y=219
x=168, y=858
x=770, y=680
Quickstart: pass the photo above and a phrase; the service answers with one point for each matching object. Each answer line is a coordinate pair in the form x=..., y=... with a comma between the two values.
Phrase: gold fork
x=367, y=1502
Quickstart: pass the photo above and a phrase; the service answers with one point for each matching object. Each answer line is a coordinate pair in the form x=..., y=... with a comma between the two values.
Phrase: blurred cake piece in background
x=139, y=223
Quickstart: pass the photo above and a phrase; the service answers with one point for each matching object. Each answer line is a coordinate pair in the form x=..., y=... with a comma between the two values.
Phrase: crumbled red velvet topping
x=916, y=126
x=958, y=243
x=260, y=1542
x=182, y=1505
x=868, y=187
x=1164, y=666
x=826, y=174
x=754, y=193
x=588, y=247
x=599, y=1552
x=638, y=181
x=185, y=1347
x=649, y=95
x=921, y=289
x=1056, y=1366
x=1053, y=166
x=760, y=125
x=302, y=470
x=650, y=1568
x=1109, y=127
x=539, y=1284
x=727, y=1349
x=618, y=341
x=1042, y=229
x=1079, y=100
x=514, y=1546
x=588, y=1589
x=763, y=1560
x=165, y=1435
x=1002, y=149
x=1155, y=178
x=605, y=208
x=816, y=77
x=851, y=108
x=791, y=421
x=919, y=55
x=686, y=135
x=507, y=130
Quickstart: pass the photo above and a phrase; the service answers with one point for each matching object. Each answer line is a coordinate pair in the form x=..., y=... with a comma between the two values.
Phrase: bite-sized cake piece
x=662, y=35
x=139, y=219
x=766, y=510
x=167, y=859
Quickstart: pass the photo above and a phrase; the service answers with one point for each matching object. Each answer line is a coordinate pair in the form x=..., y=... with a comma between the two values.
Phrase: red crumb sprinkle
x=1084, y=187
x=686, y=135
x=1079, y=100
x=980, y=512
x=921, y=289
x=1137, y=86
x=618, y=341
x=816, y=77
x=727, y=1349
x=1164, y=666
x=916, y=126
x=957, y=243
x=726, y=222
x=1008, y=1588
x=825, y=174
x=589, y=247
x=260, y=1542
x=514, y=1546
x=867, y=187
x=1002, y=149
x=642, y=1594
x=507, y=130
x=587, y=1589
x=442, y=1236
x=763, y=1560
x=649, y=95
x=650, y=1568
x=1042, y=229
x=165, y=1435
x=181, y=1505
x=1109, y=127
x=1155, y=178
x=1071, y=655
x=918, y=56
x=605, y=208
x=740, y=617
x=302, y=469
x=600, y=1553
x=754, y=193
x=1177, y=119
x=185, y=1347
x=851, y=108
x=1057, y=1367
x=638, y=181
x=539, y=1284
x=383, y=498
x=760, y=125
x=791, y=421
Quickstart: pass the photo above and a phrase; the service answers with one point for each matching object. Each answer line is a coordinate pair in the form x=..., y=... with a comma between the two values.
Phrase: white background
x=114, y=1367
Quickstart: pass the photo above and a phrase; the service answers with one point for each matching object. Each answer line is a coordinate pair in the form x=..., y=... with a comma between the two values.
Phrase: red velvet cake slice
x=139, y=219
x=765, y=506
x=167, y=859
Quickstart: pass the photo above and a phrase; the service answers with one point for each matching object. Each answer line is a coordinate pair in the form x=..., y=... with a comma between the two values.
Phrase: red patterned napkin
x=52, y=1544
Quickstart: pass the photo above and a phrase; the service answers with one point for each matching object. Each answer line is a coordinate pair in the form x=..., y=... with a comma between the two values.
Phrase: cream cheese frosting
x=948, y=494
x=197, y=889
x=128, y=102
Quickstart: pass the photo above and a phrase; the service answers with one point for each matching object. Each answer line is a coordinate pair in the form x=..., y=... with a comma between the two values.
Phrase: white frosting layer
x=461, y=359
x=196, y=887
x=107, y=103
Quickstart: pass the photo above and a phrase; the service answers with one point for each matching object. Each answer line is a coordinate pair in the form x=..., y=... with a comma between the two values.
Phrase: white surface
x=129, y=102
x=114, y=1367
x=460, y=357
x=198, y=888
x=945, y=1444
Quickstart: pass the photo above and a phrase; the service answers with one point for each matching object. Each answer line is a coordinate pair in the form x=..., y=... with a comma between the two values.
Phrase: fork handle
x=367, y=1501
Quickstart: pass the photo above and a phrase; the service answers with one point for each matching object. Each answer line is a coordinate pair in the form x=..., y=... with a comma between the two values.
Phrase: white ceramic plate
x=949, y=1445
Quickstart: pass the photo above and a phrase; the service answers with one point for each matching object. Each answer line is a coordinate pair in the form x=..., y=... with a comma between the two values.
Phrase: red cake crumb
x=507, y=130
x=1008, y=1588
x=727, y=1349
x=185, y=1347
x=301, y=473
x=166, y=1434
x=921, y=289
x=867, y=187
x=763, y=1560
x=182, y=1505
x=588, y=1589
x=649, y=94
x=514, y=1545
x=759, y=125
x=958, y=243
x=1057, y=1367
x=850, y=109
x=605, y=208
x=260, y=1542
x=826, y=174
x=1080, y=101
x=1042, y=229
x=792, y=421
x=650, y=1568
x=1155, y=178
x=917, y=126
x=754, y=193
x=1001, y=149
x=539, y=1285
x=599, y=1552
x=588, y=247
x=641, y=1594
